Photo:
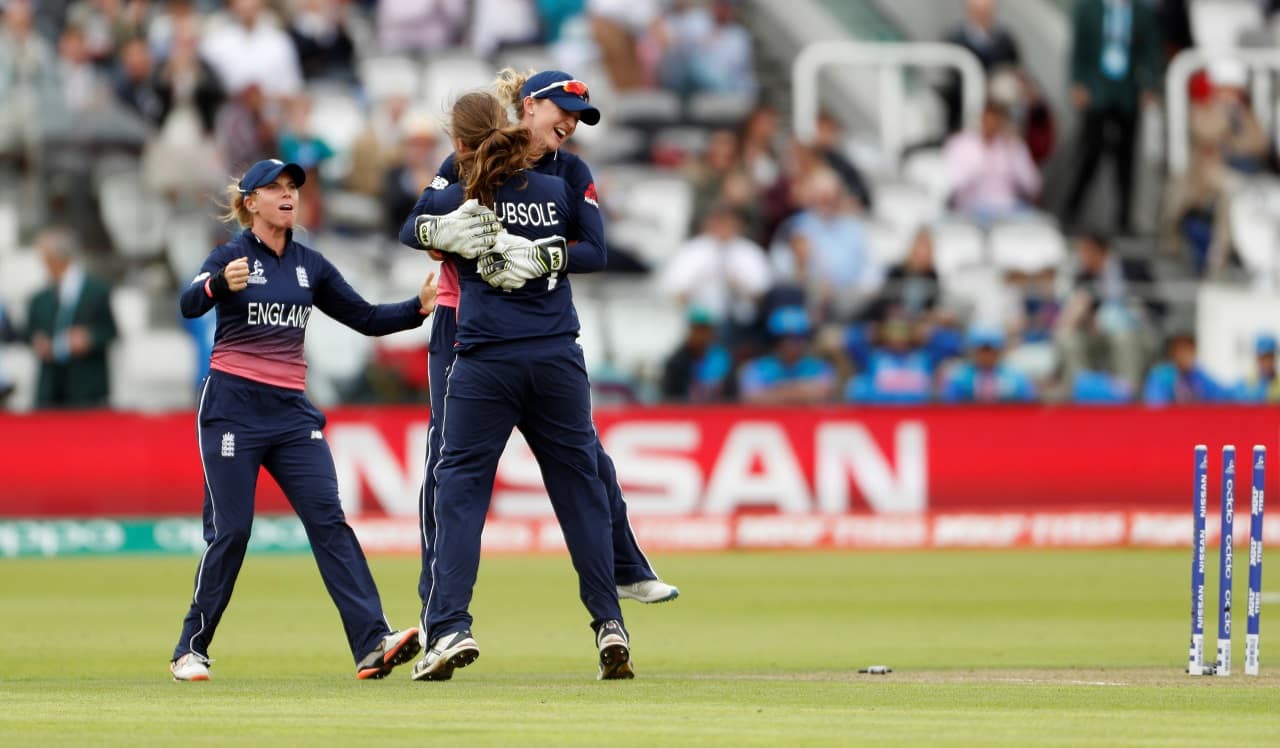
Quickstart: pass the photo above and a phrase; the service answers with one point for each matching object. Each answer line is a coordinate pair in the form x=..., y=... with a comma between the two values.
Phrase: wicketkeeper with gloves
x=517, y=365
x=550, y=105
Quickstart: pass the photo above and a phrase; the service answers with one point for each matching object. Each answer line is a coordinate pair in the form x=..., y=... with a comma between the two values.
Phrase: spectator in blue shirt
x=1180, y=379
x=899, y=371
x=1263, y=386
x=983, y=378
x=791, y=374
x=698, y=371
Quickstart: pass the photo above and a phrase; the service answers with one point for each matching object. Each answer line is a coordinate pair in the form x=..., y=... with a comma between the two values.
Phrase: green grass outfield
x=1006, y=648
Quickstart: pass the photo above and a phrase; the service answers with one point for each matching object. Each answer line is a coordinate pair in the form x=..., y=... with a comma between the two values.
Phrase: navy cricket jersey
x=534, y=206
x=588, y=255
x=261, y=329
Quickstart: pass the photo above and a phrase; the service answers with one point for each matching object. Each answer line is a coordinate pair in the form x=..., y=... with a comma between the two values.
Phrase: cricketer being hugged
x=550, y=105
x=517, y=365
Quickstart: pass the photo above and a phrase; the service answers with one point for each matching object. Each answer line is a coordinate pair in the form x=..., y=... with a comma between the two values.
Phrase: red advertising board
x=678, y=462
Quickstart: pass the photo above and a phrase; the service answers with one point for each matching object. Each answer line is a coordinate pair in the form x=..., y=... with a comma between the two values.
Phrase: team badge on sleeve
x=439, y=183
x=590, y=195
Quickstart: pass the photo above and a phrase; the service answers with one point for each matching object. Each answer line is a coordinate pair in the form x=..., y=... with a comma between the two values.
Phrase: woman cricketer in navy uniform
x=518, y=365
x=550, y=106
x=253, y=413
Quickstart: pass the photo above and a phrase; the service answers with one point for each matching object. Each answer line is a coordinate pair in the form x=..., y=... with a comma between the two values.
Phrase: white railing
x=1177, y=102
x=889, y=59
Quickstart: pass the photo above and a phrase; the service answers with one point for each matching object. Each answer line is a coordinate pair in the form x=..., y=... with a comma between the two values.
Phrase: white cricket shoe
x=648, y=591
x=396, y=648
x=615, y=652
x=446, y=654
x=189, y=667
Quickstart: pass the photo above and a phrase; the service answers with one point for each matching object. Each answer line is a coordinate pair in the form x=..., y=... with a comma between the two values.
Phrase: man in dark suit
x=1114, y=69
x=989, y=41
x=69, y=327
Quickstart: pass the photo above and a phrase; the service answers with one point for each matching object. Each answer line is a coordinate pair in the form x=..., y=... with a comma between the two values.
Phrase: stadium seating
x=1217, y=24
x=131, y=308
x=1255, y=229
x=153, y=371
x=446, y=77
x=135, y=217
x=1027, y=246
x=382, y=77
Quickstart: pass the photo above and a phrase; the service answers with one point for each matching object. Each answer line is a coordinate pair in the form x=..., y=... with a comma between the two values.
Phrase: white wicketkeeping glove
x=514, y=260
x=467, y=232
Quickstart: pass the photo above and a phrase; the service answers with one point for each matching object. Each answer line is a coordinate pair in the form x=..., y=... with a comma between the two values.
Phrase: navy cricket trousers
x=243, y=426
x=541, y=388
x=629, y=563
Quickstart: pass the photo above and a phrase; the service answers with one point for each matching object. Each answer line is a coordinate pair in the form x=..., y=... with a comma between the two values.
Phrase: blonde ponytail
x=236, y=210
x=507, y=88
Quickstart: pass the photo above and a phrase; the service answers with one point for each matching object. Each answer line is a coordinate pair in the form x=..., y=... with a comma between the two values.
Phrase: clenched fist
x=236, y=274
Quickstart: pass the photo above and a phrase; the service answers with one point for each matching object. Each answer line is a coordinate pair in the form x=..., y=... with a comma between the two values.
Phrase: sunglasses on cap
x=571, y=87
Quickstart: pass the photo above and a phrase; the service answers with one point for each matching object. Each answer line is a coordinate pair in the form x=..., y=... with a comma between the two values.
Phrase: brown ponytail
x=495, y=149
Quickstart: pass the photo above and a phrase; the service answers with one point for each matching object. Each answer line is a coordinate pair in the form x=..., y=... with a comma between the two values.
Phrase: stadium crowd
x=117, y=111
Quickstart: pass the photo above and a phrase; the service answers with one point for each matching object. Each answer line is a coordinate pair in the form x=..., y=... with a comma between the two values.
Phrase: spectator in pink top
x=991, y=171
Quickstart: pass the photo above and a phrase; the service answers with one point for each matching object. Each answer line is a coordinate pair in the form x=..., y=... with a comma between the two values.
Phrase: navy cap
x=266, y=172
x=569, y=93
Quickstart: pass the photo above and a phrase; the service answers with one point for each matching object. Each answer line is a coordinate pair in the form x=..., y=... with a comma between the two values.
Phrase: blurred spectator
x=406, y=180
x=84, y=88
x=911, y=290
x=69, y=327
x=827, y=251
x=990, y=171
x=989, y=41
x=706, y=49
x=1096, y=315
x=700, y=370
x=984, y=378
x=28, y=78
x=619, y=28
x=107, y=25
x=720, y=177
x=378, y=147
x=299, y=144
x=1114, y=69
x=243, y=132
x=324, y=47
x=1227, y=142
x=1262, y=385
x=252, y=50
x=190, y=98
x=1091, y=387
x=827, y=142
x=899, y=371
x=420, y=25
x=1174, y=18
x=792, y=374
x=134, y=82
x=178, y=16
x=7, y=335
x=1180, y=380
x=758, y=144
x=188, y=87
x=720, y=271
x=507, y=23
